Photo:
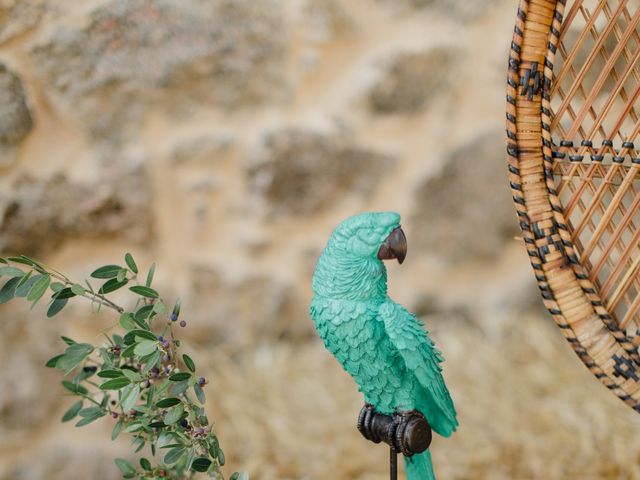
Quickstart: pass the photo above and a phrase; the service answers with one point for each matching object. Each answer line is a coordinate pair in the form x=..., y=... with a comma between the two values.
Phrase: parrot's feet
x=406, y=432
x=412, y=433
x=365, y=423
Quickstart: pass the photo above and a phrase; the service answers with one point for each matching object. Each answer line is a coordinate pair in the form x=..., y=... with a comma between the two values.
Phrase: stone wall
x=224, y=139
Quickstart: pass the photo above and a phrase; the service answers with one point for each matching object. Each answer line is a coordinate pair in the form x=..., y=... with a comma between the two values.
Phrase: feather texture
x=380, y=344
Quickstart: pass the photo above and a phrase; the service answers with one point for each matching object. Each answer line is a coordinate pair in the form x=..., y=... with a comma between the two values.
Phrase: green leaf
x=174, y=414
x=150, y=361
x=2, y=260
x=90, y=417
x=128, y=258
x=25, y=284
x=144, y=291
x=74, y=388
x=73, y=356
x=221, y=459
x=176, y=310
x=108, y=271
x=90, y=411
x=110, y=373
x=145, y=334
x=168, y=402
x=78, y=289
x=126, y=321
x=131, y=375
x=152, y=272
x=11, y=272
x=128, y=352
x=200, y=394
x=159, y=307
x=63, y=294
x=188, y=362
x=115, y=383
x=25, y=261
x=201, y=464
x=146, y=347
x=144, y=463
x=8, y=291
x=143, y=312
x=112, y=285
x=51, y=363
x=178, y=377
x=127, y=468
x=72, y=412
x=129, y=397
x=122, y=274
x=139, y=443
x=174, y=455
x=38, y=289
x=56, y=286
x=116, y=430
x=56, y=306
x=134, y=427
x=67, y=340
x=178, y=388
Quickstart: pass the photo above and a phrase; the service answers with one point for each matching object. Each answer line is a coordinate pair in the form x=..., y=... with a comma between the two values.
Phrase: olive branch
x=137, y=377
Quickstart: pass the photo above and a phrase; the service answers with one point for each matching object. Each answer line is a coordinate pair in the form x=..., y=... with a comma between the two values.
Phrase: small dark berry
x=166, y=344
x=174, y=317
x=183, y=323
x=160, y=338
x=114, y=415
x=202, y=381
x=184, y=423
x=166, y=358
x=113, y=402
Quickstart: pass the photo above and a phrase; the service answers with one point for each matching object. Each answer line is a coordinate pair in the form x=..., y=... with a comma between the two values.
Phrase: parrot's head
x=352, y=260
x=371, y=235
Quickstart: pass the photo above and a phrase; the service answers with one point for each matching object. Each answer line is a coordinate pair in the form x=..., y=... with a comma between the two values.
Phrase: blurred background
x=225, y=139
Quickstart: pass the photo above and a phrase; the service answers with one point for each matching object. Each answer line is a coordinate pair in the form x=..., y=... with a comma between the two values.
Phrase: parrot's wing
x=421, y=357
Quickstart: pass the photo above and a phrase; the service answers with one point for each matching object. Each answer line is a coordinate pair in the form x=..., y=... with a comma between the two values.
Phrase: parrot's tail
x=419, y=467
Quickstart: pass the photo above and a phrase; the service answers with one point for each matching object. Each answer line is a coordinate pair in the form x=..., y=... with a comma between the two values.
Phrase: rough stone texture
x=466, y=211
x=225, y=139
x=460, y=10
x=19, y=16
x=31, y=384
x=15, y=117
x=302, y=172
x=411, y=80
x=39, y=216
x=62, y=463
x=134, y=52
x=259, y=308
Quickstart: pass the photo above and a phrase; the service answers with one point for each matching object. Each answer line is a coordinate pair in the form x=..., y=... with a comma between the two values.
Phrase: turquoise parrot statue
x=379, y=343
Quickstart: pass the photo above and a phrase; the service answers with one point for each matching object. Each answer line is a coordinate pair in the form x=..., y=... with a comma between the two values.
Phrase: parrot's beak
x=395, y=246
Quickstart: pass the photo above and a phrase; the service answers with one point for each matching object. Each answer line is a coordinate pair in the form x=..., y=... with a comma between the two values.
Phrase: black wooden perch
x=405, y=432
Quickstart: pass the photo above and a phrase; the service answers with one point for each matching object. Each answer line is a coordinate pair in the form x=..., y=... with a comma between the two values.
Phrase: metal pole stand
x=405, y=432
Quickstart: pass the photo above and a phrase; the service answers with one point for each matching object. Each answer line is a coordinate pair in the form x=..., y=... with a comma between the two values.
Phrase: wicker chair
x=574, y=170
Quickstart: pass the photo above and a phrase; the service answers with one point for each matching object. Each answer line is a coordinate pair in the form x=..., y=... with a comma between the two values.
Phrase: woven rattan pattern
x=573, y=169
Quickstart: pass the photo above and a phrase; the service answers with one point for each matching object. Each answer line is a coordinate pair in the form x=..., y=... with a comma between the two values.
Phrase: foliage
x=136, y=377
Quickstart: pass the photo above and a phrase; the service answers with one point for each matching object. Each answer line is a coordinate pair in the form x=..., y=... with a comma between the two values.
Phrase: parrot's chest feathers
x=354, y=333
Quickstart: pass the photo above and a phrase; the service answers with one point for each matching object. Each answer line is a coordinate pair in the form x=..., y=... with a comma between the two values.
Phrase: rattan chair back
x=573, y=119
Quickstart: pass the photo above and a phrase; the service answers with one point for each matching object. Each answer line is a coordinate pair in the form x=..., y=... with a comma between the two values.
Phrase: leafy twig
x=134, y=377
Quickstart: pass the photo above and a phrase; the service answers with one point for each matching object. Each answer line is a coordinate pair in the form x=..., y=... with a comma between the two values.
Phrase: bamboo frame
x=577, y=203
